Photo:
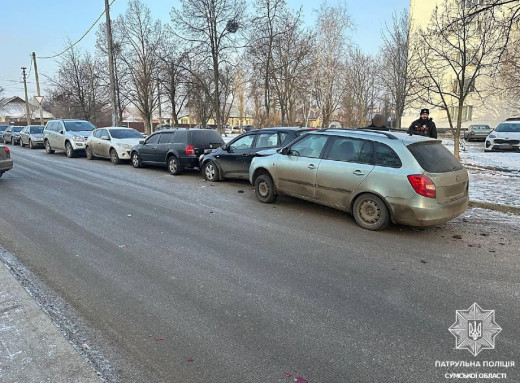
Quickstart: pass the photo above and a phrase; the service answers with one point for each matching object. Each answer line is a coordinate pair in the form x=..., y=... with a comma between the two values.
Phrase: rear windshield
x=434, y=157
x=201, y=138
x=125, y=133
x=480, y=127
x=36, y=129
x=508, y=128
x=78, y=126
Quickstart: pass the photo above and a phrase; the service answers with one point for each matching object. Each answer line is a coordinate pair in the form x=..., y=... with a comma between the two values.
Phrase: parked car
x=32, y=135
x=112, y=142
x=6, y=163
x=68, y=135
x=12, y=134
x=233, y=159
x=378, y=177
x=176, y=149
x=477, y=132
x=2, y=130
x=506, y=136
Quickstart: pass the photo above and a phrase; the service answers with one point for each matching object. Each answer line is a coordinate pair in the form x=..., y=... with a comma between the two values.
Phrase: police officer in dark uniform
x=378, y=123
x=424, y=126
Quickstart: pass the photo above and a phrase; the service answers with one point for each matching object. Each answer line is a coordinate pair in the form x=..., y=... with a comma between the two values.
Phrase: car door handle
x=311, y=166
x=244, y=155
x=359, y=173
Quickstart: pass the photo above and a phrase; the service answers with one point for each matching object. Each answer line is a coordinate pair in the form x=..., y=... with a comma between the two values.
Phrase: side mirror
x=285, y=151
x=61, y=131
x=141, y=142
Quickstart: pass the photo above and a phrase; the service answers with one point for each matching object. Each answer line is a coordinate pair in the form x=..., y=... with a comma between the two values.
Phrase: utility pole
x=115, y=121
x=26, y=98
x=39, y=98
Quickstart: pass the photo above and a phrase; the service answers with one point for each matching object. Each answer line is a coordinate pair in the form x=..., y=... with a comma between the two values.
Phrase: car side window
x=104, y=132
x=266, y=140
x=344, y=149
x=310, y=146
x=166, y=138
x=385, y=156
x=243, y=143
x=180, y=136
x=153, y=139
x=97, y=133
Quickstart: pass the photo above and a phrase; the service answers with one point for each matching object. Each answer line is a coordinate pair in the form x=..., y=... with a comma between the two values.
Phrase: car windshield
x=125, y=133
x=78, y=126
x=3, y=127
x=17, y=128
x=434, y=157
x=508, y=128
x=36, y=129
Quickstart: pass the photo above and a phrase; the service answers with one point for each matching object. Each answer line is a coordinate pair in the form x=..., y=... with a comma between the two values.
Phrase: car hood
x=81, y=133
x=507, y=134
x=266, y=152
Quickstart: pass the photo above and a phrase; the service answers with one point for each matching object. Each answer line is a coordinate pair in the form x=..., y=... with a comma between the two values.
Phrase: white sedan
x=112, y=142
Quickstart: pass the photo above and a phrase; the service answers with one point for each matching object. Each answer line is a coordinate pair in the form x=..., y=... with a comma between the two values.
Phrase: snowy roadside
x=494, y=177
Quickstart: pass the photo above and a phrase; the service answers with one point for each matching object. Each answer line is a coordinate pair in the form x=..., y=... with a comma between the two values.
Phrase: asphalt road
x=174, y=279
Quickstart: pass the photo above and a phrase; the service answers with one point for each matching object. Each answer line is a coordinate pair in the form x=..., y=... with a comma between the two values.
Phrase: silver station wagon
x=378, y=177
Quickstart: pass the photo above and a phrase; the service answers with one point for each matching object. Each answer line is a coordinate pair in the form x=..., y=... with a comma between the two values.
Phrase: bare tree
x=452, y=53
x=361, y=92
x=210, y=27
x=140, y=37
x=397, y=65
x=201, y=94
x=330, y=50
x=79, y=86
x=292, y=48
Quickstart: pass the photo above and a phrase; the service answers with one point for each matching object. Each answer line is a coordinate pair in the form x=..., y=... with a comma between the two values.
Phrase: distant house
x=12, y=110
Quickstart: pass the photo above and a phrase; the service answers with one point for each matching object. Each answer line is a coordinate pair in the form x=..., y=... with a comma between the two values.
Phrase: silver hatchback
x=378, y=177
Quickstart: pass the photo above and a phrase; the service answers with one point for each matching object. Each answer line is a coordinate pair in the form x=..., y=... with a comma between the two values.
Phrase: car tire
x=264, y=189
x=21, y=143
x=69, y=151
x=114, y=157
x=136, y=160
x=370, y=212
x=88, y=153
x=210, y=172
x=31, y=146
x=48, y=149
x=174, y=167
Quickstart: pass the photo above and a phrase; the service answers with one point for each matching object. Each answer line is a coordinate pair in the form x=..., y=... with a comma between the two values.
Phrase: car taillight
x=7, y=152
x=190, y=149
x=423, y=185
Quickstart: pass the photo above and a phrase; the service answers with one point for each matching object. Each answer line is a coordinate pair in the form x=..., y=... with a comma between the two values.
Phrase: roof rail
x=384, y=133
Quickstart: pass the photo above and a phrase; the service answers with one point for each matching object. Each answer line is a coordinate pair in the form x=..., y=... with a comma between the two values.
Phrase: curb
x=493, y=206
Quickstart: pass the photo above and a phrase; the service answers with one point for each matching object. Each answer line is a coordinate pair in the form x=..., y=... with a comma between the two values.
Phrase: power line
x=81, y=38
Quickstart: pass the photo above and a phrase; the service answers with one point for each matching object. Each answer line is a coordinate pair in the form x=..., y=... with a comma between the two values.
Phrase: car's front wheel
x=264, y=189
x=48, y=148
x=88, y=153
x=136, y=160
x=173, y=165
x=69, y=151
x=114, y=157
x=21, y=143
x=31, y=145
x=370, y=212
x=210, y=171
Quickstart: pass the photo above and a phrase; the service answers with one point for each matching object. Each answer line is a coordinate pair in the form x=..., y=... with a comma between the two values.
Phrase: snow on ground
x=494, y=177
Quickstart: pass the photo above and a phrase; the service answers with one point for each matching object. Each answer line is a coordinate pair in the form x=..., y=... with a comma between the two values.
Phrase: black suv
x=177, y=149
x=233, y=159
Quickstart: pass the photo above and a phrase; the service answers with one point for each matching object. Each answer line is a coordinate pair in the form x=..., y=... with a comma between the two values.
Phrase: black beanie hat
x=427, y=111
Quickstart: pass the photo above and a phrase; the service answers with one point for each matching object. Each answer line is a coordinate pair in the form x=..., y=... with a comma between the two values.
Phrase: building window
x=467, y=87
x=467, y=112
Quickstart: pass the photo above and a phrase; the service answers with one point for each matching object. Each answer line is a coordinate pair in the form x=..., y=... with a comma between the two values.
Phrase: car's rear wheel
x=264, y=189
x=210, y=171
x=370, y=212
x=114, y=157
x=136, y=160
x=173, y=165
x=88, y=153
x=48, y=148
